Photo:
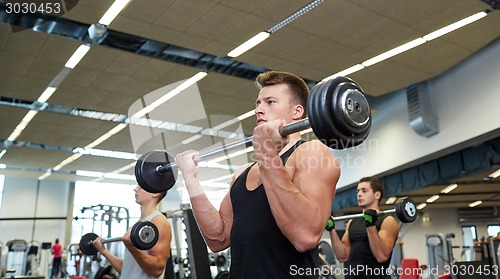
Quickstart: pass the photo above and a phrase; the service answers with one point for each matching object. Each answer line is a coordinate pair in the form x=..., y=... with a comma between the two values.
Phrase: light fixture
x=105, y=153
x=421, y=206
x=432, y=199
x=77, y=56
x=3, y=166
x=47, y=93
x=393, y=52
x=492, y=175
x=89, y=173
x=426, y=218
x=390, y=200
x=252, y=42
x=3, y=152
x=346, y=72
x=476, y=203
x=113, y=11
x=454, y=26
x=449, y=188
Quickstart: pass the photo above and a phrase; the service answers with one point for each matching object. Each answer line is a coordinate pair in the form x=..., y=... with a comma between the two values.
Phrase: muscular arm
x=115, y=262
x=215, y=225
x=300, y=194
x=382, y=242
x=342, y=249
x=153, y=263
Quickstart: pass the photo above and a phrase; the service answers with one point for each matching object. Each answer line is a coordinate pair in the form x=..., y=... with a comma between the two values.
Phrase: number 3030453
x=31, y=8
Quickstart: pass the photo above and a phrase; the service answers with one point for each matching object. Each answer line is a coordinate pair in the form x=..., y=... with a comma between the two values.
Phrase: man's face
x=274, y=102
x=365, y=194
x=141, y=195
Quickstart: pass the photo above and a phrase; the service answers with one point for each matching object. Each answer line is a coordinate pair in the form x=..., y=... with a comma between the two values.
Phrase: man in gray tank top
x=137, y=264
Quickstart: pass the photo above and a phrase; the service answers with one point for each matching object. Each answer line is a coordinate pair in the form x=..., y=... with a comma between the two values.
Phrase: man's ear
x=378, y=195
x=298, y=112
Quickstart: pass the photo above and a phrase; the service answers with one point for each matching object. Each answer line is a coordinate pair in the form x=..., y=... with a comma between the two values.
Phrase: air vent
x=422, y=119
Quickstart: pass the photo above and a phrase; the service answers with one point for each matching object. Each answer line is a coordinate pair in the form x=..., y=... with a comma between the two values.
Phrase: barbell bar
x=144, y=236
x=404, y=208
x=338, y=113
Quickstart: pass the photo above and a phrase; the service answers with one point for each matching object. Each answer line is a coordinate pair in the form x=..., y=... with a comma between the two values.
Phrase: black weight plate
x=324, y=114
x=316, y=114
x=220, y=260
x=86, y=245
x=406, y=210
x=147, y=175
x=326, y=249
x=353, y=126
x=144, y=235
x=222, y=275
x=103, y=270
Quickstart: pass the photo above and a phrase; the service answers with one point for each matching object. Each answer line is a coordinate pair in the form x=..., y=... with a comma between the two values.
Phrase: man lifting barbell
x=273, y=215
x=153, y=233
x=369, y=238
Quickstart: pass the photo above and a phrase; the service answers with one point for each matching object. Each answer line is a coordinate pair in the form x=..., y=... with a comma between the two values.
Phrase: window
x=493, y=230
x=469, y=234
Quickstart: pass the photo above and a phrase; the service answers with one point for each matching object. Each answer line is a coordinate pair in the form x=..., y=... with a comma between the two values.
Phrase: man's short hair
x=296, y=84
x=375, y=184
x=161, y=196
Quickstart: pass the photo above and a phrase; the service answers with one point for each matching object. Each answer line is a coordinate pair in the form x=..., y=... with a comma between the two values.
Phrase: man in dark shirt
x=367, y=244
x=273, y=216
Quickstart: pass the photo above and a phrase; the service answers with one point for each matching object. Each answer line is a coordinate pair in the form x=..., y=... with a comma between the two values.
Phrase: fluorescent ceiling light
x=45, y=175
x=454, y=26
x=252, y=42
x=3, y=153
x=106, y=136
x=449, y=188
x=421, y=206
x=492, y=175
x=246, y=115
x=47, y=93
x=476, y=203
x=119, y=176
x=390, y=200
x=186, y=84
x=393, y=52
x=67, y=161
x=89, y=173
x=77, y=56
x=3, y=166
x=346, y=72
x=105, y=153
x=113, y=11
x=22, y=125
x=432, y=199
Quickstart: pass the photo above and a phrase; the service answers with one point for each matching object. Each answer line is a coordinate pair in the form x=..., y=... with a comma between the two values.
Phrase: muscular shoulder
x=322, y=155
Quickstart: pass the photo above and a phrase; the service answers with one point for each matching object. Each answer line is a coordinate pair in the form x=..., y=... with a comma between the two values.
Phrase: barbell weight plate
x=329, y=115
x=148, y=177
x=406, y=210
x=144, y=235
x=86, y=245
x=222, y=275
x=103, y=271
x=220, y=260
x=326, y=249
x=315, y=109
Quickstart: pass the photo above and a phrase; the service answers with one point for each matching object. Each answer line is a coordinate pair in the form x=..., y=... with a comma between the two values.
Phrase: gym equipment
x=405, y=210
x=104, y=272
x=339, y=116
x=144, y=236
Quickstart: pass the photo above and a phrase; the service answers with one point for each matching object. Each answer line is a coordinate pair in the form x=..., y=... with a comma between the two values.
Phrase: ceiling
x=110, y=78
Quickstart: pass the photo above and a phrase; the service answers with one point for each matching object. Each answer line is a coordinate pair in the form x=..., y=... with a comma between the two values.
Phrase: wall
x=27, y=198
x=465, y=99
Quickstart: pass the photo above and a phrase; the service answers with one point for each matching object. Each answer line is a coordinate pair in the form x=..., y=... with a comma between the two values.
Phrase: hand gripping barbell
x=144, y=236
x=404, y=208
x=338, y=114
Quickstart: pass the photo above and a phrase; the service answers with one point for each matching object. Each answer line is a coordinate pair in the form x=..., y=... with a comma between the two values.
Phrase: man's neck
x=147, y=209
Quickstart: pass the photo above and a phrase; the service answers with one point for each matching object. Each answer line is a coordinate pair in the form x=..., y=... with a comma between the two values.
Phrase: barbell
x=404, y=208
x=338, y=113
x=144, y=236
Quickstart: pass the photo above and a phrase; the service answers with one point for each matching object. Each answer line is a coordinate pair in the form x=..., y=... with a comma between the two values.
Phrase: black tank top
x=361, y=262
x=259, y=250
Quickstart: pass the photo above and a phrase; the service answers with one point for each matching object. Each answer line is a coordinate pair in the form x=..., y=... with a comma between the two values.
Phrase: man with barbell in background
x=137, y=264
x=367, y=243
x=273, y=216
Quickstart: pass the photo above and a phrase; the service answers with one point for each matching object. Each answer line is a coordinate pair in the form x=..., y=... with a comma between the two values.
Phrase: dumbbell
x=405, y=210
x=144, y=236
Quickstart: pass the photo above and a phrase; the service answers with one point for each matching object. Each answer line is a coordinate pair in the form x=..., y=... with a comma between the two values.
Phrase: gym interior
x=87, y=88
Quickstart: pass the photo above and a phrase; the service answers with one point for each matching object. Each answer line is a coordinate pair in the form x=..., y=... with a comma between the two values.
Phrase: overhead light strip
x=476, y=203
x=449, y=188
x=113, y=11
